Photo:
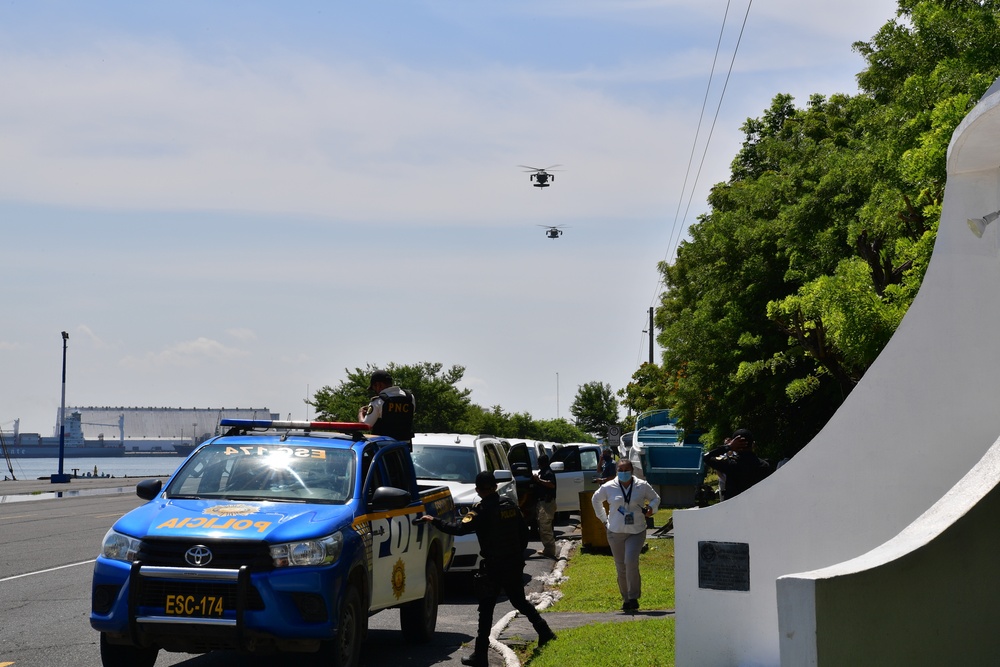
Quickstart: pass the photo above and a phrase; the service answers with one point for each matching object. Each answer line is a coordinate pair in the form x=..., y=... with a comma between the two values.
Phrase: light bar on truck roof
x=304, y=425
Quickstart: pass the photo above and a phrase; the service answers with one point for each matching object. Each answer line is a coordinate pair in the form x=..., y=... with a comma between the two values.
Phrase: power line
x=697, y=133
x=715, y=118
x=678, y=223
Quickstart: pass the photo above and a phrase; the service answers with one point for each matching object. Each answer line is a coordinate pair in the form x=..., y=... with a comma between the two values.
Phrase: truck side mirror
x=557, y=466
x=503, y=476
x=390, y=498
x=148, y=489
x=521, y=470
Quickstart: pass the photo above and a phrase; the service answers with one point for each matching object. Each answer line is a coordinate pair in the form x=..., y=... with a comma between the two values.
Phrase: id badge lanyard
x=627, y=496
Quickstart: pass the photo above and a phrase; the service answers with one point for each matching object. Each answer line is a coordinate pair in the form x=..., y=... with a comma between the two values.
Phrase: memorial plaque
x=724, y=566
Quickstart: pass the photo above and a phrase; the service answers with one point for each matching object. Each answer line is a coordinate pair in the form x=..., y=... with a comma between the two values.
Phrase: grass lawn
x=647, y=643
x=592, y=586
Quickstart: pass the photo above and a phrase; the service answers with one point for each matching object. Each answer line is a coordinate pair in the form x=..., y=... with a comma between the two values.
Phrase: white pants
x=625, y=547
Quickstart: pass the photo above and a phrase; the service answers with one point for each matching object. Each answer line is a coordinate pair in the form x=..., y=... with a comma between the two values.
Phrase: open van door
x=580, y=466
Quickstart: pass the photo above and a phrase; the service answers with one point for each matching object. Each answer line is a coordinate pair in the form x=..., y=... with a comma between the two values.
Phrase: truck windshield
x=453, y=464
x=266, y=472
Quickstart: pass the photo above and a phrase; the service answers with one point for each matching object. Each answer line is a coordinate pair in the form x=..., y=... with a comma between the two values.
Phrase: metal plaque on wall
x=724, y=566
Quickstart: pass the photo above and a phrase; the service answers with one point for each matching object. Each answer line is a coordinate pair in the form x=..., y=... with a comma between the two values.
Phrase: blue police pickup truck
x=277, y=536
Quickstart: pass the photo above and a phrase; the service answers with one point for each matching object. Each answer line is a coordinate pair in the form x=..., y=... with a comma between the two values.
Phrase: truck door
x=522, y=464
x=399, y=549
x=570, y=482
x=495, y=459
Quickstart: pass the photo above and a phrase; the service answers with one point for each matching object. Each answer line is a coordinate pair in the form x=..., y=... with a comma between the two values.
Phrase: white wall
x=920, y=419
x=927, y=597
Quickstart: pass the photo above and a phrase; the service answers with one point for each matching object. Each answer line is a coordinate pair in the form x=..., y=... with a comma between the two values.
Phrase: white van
x=454, y=459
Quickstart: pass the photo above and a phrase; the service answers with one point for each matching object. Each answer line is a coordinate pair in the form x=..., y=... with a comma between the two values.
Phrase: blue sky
x=227, y=204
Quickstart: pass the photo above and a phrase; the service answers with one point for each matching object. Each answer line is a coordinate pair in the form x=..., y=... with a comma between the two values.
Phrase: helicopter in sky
x=553, y=232
x=540, y=176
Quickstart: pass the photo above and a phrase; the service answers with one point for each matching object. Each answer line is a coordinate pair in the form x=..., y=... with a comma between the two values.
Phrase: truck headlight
x=117, y=546
x=308, y=552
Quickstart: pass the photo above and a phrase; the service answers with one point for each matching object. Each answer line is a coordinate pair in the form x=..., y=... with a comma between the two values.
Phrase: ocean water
x=120, y=466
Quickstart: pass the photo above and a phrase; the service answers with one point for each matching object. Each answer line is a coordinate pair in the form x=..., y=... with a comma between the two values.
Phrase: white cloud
x=165, y=176
x=300, y=359
x=135, y=127
x=149, y=125
x=242, y=334
x=187, y=354
x=89, y=334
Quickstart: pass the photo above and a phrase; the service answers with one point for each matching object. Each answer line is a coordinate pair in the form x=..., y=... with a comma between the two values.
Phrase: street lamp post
x=62, y=478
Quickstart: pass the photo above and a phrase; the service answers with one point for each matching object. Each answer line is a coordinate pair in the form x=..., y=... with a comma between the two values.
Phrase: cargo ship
x=133, y=431
x=36, y=446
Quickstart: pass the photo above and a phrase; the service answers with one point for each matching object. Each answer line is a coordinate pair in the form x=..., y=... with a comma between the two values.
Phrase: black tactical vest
x=503, y=535
x=397, y=417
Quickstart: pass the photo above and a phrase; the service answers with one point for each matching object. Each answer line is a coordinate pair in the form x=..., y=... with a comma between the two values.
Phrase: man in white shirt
x=630, y=501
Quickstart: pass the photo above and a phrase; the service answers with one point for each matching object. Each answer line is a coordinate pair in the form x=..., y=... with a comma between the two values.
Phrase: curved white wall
x=921, y=418
x=926, y=597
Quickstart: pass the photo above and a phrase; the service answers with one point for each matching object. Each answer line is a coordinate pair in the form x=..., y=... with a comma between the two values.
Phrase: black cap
x=745, y=434
x=485, y=480
x=379, y=376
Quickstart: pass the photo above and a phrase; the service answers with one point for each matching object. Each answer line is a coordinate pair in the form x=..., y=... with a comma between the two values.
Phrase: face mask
x=624, y=476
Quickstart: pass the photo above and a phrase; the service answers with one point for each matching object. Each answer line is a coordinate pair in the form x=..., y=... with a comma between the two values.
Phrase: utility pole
x=650, y=334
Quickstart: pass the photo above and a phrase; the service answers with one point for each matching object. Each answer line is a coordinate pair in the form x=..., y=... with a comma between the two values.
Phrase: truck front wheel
x=419, y=618
x=118, y=655
x=345, y=650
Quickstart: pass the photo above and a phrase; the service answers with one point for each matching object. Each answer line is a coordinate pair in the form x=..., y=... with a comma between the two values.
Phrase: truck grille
x=226, y=554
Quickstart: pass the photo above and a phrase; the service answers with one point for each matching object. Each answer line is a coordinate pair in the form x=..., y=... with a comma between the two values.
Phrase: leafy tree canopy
x=560, y=430
x=813, y=250
x=648, y=390
x=595, y=408
x=440, y=403
x=442, y=407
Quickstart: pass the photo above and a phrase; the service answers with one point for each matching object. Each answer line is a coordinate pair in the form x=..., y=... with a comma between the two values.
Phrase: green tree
x=648, y=390
x=595, y=408
x=560, y=430
x=440, y=403
x=813, y=250
x=498, y=422
x=779, y=222
x=441, y=406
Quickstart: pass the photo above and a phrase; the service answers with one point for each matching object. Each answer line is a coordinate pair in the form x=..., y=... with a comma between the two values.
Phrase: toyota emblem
x=198, y=555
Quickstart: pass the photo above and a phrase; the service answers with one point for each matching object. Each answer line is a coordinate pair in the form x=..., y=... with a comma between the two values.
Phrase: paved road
x=46, y=551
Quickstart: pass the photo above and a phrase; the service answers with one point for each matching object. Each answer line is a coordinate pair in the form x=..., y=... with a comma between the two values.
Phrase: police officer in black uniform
x=390, y=411
x=738, y=466
x=503, y=537
x=545, y=506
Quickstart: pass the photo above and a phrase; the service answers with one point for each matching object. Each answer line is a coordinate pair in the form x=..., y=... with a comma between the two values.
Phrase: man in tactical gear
x=545, y=506
x=738, y=466
x=390, y=411
x=503, y=537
